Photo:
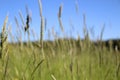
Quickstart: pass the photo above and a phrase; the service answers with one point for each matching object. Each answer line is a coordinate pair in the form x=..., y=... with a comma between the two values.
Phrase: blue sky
x=98, y=13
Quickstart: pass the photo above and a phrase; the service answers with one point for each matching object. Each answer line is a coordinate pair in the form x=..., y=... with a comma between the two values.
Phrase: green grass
x=63, y=62
x=61, y=59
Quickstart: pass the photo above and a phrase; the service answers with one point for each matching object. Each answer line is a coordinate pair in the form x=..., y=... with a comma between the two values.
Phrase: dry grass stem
x=40, y=7
x=37, y=67
x=59, y=17
x=3, y=36
x=53, y=77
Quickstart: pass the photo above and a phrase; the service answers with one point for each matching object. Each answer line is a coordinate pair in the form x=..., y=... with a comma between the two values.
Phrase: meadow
x=59, y=59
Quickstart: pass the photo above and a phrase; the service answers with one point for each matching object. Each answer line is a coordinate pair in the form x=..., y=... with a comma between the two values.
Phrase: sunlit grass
x=60, y=59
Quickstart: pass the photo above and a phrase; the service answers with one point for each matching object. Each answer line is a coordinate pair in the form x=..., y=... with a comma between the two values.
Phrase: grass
x=61, y=62
x=61, y=59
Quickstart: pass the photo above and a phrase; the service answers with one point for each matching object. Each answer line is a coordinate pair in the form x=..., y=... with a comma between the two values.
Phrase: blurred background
x=98, y=13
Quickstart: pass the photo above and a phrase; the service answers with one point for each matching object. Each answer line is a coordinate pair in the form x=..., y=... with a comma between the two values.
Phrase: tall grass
x=59, y=17
x=3, y=37
x=4, y=50
x=61, y=59
x=41, y=27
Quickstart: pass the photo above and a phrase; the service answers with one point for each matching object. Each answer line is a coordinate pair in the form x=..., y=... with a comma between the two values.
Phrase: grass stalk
x=6, y=66
x=53, y=77
x=41, y=27
x=59, y=17
x=37, y=67
x=118, y=71
x=3, y=36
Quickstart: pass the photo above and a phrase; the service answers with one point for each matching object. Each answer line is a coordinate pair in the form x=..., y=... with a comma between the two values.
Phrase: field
x=60, y=59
